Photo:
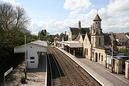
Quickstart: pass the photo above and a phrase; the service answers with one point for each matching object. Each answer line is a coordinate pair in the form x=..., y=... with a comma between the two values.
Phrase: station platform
x=99, y=72
x=38, y=76
x=35, y=77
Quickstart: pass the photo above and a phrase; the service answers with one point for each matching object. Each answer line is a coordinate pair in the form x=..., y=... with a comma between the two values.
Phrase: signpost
x=6, y=73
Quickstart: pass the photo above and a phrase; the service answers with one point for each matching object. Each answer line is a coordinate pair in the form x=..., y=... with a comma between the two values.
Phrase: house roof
x=121, y=37
x=97, y=18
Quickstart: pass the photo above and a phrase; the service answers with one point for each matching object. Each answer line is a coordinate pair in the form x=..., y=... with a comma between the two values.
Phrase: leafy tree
x=62, y=34
x=127, y=33
x=44, y=35
x=13, y=24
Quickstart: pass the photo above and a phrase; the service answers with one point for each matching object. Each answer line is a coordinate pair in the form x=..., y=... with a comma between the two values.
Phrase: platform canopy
x=37, y=43
x=72, y=44
x=121, y=57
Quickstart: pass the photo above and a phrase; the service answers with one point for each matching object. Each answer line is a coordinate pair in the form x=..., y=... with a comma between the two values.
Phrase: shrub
x=23, y=80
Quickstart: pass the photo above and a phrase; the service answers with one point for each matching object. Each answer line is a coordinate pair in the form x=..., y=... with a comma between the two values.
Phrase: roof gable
x=87, y=39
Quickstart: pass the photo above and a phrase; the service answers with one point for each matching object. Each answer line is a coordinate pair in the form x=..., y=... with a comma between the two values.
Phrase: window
x=98, y=25
x=32, y=58
x=93, y=30
x=99, y=41
x=32, y=61
x=99, y=56
x=102, y=58
x=87, y=51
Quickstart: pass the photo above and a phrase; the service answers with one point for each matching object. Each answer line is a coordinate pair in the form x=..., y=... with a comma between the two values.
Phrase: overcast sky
x=58, y=15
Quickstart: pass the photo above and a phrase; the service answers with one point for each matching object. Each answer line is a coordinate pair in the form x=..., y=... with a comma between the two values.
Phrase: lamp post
x=25, y=60
x=112, y=53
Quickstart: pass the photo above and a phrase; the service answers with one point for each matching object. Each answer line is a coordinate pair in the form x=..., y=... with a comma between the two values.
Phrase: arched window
x=99, y=56
x=102, y=58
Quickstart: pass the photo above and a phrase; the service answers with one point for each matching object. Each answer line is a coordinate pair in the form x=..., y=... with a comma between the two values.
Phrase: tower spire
x=97, y=18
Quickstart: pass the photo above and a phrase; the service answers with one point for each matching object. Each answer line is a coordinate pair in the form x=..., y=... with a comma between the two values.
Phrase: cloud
x=13, y=2
x=115, y=16
x=53, y=26
x=77, y=4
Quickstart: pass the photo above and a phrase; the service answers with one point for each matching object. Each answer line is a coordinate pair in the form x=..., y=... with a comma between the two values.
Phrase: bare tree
x=12, y=20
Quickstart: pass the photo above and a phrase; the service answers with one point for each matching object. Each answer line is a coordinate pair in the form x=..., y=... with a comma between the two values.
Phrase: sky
x=57, y=16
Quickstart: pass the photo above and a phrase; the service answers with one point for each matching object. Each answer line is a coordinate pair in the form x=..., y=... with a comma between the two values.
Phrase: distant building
x=33, y=52
x=121, y=39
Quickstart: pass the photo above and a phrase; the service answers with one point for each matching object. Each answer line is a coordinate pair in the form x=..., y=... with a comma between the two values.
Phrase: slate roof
x=76, y=31
x=85, y=30
x=121, y=36
x=89, y=36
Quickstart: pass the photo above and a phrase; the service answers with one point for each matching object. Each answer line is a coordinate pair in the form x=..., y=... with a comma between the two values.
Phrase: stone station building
x=93, y=44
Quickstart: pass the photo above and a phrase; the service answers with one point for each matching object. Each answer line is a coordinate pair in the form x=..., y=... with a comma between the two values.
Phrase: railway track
x=73, y=74
x=54, y=71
